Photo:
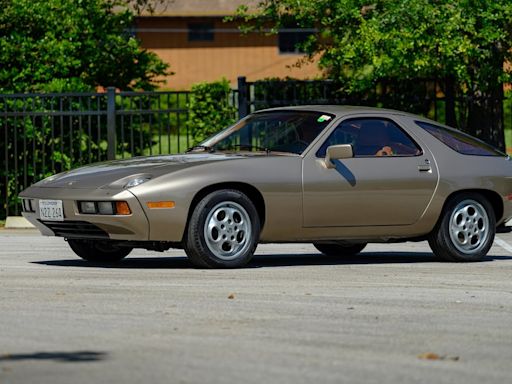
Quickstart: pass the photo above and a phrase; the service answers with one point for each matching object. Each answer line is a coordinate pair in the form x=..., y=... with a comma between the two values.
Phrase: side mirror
x=336, y=152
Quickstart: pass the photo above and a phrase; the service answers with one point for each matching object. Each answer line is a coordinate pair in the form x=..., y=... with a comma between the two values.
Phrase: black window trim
x=415, y=142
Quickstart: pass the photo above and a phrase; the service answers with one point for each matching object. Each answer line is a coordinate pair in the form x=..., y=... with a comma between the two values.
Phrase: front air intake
x=76, y=229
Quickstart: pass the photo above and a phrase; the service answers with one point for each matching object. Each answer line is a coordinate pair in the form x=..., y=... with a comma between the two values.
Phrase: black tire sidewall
x=195, y=244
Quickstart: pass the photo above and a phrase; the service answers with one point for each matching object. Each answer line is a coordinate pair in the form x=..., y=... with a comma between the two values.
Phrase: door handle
x=425, y=167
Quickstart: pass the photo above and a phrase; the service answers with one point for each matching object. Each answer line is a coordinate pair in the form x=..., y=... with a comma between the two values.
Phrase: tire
x=466, y=229
x=223, y=230
x=337, y=249
x=98, y=250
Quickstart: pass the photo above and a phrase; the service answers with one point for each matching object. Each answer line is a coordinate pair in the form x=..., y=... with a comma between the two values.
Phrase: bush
x=210, y=109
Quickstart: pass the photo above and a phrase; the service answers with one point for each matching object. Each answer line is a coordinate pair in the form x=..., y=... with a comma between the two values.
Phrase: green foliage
x=361, y=42
x=210, y=109
x=71, y=45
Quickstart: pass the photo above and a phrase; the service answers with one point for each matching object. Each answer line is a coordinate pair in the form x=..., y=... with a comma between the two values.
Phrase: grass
x=508, y=141
x=2, y=223
x=170, y=144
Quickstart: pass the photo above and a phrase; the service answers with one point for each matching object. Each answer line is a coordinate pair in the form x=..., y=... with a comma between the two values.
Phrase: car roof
x=338, y=110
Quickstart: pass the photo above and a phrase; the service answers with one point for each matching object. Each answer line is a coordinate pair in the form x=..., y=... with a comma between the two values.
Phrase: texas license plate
x=51, y=210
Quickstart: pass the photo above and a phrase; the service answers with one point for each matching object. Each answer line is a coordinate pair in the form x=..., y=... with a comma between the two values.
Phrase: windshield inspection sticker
x=323, y=118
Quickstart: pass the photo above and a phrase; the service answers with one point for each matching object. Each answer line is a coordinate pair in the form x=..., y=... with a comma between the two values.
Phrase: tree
x=72, y=45
x=62, y=46
x=466, y=43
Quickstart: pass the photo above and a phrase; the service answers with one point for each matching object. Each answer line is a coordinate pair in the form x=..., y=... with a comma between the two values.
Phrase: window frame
x=404, y=131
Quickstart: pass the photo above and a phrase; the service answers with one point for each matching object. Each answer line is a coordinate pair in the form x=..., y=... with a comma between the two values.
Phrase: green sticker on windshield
x=323, y=118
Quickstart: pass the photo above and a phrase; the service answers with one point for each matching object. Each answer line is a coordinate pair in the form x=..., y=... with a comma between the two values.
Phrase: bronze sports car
x=336, y=176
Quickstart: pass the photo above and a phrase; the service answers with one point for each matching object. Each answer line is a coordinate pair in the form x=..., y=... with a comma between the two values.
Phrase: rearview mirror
x=336, y=152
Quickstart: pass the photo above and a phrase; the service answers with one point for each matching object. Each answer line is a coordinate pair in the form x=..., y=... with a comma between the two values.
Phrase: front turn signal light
x=122, y=208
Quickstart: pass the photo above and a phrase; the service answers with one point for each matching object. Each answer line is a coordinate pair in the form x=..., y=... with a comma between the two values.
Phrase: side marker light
x=160, y=204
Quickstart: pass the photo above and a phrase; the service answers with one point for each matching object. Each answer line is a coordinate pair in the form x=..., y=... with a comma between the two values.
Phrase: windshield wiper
x=250, y=146
x=200, y=147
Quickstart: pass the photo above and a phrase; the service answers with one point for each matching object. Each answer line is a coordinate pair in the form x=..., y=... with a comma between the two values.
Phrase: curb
x=17, y=222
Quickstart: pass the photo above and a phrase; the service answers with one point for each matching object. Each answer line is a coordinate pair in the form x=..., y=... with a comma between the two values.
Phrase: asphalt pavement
x=393, y=314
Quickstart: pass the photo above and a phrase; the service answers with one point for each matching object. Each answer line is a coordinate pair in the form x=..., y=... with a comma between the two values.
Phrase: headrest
x=373, y=132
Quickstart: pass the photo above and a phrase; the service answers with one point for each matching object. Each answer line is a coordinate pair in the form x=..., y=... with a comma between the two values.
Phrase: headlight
x=136, y=181
x=104, y=207
x=88, y=207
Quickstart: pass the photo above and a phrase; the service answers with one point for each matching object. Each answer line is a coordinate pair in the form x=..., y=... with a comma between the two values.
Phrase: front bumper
x=78, y=225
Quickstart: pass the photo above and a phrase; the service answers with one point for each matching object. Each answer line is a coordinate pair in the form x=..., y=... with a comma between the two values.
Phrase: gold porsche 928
x=338, y=177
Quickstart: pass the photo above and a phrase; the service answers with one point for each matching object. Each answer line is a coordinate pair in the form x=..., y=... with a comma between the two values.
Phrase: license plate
x=51, y=210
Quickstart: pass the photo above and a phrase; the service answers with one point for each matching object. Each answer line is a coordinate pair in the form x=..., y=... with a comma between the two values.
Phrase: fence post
x=243, y=97
x=111, y=123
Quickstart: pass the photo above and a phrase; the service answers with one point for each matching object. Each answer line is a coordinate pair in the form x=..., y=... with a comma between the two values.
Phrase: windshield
x=277, y=131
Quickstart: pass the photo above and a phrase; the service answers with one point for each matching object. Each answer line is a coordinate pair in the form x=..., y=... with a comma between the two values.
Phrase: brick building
x=192, y=37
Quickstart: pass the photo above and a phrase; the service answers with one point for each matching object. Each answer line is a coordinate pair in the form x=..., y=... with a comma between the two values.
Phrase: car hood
x=115, y=174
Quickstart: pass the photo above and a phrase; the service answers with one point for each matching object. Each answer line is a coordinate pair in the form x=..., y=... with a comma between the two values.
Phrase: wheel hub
x=227, y=230
x=469, y=226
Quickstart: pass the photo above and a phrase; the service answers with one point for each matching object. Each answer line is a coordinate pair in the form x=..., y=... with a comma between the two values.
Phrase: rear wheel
x=466, y=230
x=337, y=249
x=98, y=250
x=223, y=230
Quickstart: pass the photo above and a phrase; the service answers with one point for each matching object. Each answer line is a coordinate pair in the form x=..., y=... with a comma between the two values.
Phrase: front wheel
x=99, y=250
x=466, y=229
x=223, y=230
x=338, y=249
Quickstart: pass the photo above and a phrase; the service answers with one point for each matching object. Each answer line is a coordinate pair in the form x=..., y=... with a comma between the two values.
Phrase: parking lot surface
x=392, y=314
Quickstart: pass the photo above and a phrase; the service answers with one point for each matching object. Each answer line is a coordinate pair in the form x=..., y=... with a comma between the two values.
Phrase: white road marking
x=503, y=244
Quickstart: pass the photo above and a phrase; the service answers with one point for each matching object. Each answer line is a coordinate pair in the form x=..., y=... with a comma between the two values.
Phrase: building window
x=291, y=38
x=200, y=32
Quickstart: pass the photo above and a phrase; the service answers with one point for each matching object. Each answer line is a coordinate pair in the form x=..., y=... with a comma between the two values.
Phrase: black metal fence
x=422, y=96
x=43, y=134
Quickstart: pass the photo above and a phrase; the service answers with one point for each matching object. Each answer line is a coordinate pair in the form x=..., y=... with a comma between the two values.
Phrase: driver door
x=389, y=181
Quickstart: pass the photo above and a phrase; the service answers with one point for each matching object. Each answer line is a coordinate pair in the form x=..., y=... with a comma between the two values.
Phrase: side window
x=372, y=137
x=460, y=142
